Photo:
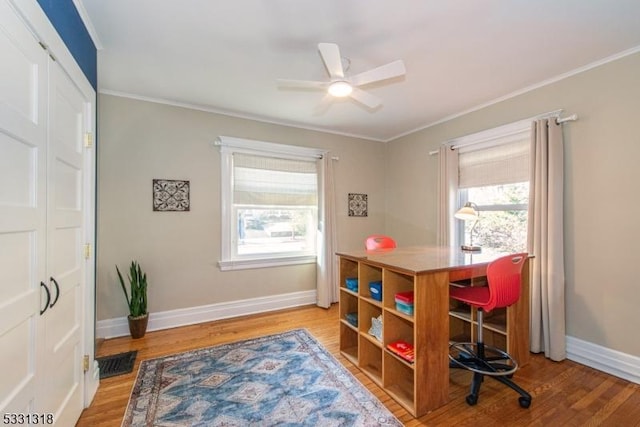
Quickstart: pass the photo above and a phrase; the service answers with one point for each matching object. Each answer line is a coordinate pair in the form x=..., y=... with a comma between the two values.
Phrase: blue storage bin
x=375, y=289
x=352, y=318
x=352, y=283
x=405, y=308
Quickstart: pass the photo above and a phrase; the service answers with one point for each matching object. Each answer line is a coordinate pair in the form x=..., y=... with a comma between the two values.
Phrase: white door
x=63, y=392
x=23, y=74
x=43, y=274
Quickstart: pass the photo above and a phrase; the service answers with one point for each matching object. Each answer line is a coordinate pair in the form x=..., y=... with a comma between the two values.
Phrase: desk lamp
x=469, y=213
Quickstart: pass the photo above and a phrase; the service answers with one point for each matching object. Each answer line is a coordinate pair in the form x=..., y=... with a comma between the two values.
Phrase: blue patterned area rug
x=287, y=379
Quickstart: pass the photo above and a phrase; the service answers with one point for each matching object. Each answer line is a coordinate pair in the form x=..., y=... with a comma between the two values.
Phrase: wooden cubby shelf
x=421, y=385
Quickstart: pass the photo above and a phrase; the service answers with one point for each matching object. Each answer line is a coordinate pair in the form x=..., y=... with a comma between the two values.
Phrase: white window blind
x=271, y=181
x=269, y=203
x=505, y=163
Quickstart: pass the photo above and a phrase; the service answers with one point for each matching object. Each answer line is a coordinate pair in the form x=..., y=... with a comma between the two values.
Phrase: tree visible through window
x=502, y=226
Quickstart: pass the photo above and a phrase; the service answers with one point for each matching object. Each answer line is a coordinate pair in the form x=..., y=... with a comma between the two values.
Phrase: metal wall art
x=170, y=195
x=357, y=204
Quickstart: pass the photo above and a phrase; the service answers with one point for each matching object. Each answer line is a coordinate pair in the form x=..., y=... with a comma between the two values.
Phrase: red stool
x=504, y=278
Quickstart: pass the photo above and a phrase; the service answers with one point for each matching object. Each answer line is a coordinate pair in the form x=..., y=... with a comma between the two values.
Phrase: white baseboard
x=613, y=362
x=119, y=327
x=604, y=359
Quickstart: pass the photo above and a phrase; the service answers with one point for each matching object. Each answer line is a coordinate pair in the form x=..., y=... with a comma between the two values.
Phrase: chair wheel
x=525, y=402
x=472, y=399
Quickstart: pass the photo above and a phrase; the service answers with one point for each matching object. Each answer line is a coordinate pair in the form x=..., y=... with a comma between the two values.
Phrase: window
x=503, y=216
x=269, y=204
x=494, y=174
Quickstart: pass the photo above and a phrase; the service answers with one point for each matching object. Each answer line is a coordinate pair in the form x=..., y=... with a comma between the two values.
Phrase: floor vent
x=116, y=364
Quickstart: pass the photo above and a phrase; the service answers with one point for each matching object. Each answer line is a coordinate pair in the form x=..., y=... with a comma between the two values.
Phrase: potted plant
x=137, y=302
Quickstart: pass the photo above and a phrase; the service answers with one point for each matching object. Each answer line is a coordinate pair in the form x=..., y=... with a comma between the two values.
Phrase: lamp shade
x=467, y=212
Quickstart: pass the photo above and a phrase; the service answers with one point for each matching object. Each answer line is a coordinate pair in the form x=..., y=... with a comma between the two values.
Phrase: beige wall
x=140, y=141
x=602, y=231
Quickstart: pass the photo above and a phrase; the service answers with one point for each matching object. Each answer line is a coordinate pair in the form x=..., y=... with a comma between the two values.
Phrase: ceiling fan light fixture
x=340, y=89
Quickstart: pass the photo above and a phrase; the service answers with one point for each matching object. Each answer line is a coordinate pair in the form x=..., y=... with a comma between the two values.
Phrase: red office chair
x=504, y=278
x=378, y=241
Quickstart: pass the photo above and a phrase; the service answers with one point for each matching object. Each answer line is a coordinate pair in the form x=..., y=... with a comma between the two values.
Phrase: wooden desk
x=423, y=385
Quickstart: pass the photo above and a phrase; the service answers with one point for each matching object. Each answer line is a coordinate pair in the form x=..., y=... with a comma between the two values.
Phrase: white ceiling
x=225, y=56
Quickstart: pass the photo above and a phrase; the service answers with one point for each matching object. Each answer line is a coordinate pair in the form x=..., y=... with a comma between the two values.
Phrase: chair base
x=488, y=361
x=482, y=359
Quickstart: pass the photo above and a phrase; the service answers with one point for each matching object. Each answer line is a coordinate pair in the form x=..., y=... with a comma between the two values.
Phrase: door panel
x=16, y=265
x=68, y=181
x=66, y=257
x=63, y=322
x=17, y=180
x=18, y=386
x=23, y=103
x=24, y=72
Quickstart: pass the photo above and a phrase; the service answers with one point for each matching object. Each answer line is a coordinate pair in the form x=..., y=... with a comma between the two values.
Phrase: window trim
x=229, y=145
x=490, y=137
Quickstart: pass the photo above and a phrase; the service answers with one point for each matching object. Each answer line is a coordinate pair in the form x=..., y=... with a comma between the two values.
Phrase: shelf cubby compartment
x=459, y=330
x=367, y=274
x=460, y=310
x=496, y=320
x=370, y=358
x=348, y=304
x=494, y=339
x=366, y=311
x=397, y=328
x=495, y=328
x=394, y=283
x=348, y=269
x=399, y=381
x=463, y=323
x=349, y=342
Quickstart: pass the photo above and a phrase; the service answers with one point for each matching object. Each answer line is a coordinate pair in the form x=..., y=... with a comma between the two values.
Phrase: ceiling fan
x=340, y=85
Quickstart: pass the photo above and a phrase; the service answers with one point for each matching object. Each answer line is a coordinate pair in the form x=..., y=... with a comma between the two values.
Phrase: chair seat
x=477, y=296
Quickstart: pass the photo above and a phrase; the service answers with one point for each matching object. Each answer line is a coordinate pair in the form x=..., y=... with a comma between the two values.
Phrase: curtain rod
x=571, y=118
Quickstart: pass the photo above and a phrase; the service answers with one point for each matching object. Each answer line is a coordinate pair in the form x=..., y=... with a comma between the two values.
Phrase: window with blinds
x=275, y=202
x=269, y=204
x=494, y=175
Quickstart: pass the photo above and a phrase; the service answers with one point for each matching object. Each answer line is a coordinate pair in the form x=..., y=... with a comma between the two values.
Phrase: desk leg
x=518, y=321
x=431, y=340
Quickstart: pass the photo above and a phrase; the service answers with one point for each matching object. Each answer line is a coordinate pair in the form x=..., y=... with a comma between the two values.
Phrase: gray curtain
x=447, y=190
x=546, y=241
x=327, y=262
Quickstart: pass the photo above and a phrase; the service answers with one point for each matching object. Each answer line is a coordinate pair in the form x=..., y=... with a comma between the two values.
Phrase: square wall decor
x=357, y=204
x=170, y=195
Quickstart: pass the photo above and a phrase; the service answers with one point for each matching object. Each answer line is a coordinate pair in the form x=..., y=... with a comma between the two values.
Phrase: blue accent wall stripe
x=67, y=22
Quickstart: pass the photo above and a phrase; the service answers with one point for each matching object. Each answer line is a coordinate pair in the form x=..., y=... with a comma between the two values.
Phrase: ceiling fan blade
x=331, y=56
x=388, y=71
x=303, y=84
x=365, y=98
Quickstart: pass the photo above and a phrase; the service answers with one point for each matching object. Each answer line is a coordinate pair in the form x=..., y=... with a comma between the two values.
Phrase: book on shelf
x=403, y=349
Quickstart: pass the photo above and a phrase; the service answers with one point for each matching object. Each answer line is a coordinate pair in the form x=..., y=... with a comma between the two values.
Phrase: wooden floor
x=564, y=393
